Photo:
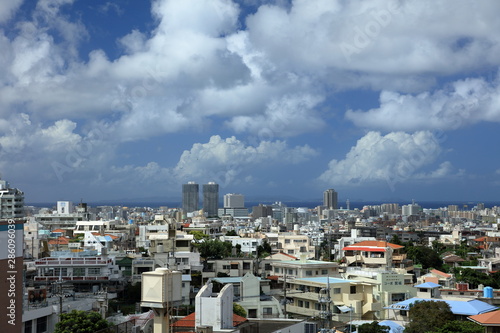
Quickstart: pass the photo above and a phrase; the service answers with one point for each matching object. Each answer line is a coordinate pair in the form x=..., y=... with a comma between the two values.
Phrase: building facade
x=190, y=197
x=330, y=199
x=210, y=199
x=11, y=201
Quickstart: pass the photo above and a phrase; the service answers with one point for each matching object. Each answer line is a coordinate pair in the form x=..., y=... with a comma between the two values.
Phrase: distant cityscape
x=304, y=260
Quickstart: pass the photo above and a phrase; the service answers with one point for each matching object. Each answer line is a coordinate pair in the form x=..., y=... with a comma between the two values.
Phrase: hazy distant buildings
x=330, y=199
x=190, y=197
x=262, y=211
x=210, y=198
x=412, y=209
x=234, y=205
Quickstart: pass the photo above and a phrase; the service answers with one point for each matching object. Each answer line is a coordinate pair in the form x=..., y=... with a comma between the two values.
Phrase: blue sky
x=381, y=100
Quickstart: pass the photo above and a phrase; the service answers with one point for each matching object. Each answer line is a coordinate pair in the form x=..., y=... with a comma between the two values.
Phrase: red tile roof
x=366, y=245
x=59, y=241
x=189, y=321
x=443, y=274
x=487, y=319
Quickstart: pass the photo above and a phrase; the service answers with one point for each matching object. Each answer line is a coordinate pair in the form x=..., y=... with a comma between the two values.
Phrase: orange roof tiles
x=59, y=241
x=377, y=243
x=443, y=274
x=487, y=319
x=189, y=320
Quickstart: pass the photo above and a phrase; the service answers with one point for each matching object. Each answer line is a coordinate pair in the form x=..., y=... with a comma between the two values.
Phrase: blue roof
x=393, y=326
x=467, y=308
x=428, y=285
x=324, y=279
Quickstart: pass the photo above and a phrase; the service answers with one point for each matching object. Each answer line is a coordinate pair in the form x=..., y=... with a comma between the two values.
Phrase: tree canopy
x=427, y=316
x=373, y=327
x=239, y=310
x=81, y=322
x=460, y=326
x=214, y=249
x=425, y=256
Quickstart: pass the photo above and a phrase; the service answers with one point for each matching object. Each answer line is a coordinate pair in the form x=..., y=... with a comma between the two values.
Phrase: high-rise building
x=330, y=199
x=190, y=197
x=232, y=200
x=262, y=211
x=11, y=256
x=11, y=201
x=234, y=205
x=210, y=198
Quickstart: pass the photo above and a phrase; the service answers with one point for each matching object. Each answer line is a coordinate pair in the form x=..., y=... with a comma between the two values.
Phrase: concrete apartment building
x=347, y=299
x=303, y=268
x=253, y=294
x=295, y=244
x=11, y=201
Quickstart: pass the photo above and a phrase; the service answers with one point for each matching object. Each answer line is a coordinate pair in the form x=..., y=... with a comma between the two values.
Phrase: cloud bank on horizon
x=378, y=99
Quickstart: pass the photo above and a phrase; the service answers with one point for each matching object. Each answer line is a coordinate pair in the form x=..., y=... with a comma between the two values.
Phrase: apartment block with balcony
x=82, y=272
x=348, y=299
x=304, y=268
x=295, y=244
x=231, y=267
x=374, y=254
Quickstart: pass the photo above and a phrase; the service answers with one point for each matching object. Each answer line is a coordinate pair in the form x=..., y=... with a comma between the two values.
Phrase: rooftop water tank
x=488, y=292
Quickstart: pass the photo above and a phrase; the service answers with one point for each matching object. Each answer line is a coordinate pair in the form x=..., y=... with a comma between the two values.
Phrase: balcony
x=73, y=262
x=50, y=279
x=372, y=307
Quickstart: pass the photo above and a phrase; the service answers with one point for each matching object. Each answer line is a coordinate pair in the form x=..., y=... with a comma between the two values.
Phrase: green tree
x=81, y=322
x=460, y=326
x=239, y=310
x=231, y=233
x=428, y=316
x=214, y=249
x=265, y=249
x=198, y=235
x=425, y=256
x=396, y=240
x=373, y=327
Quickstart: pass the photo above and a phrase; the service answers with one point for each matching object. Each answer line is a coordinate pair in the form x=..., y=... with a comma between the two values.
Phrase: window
x=267, y=267
x=287, y=241
x=267, y=311
x=60, y=271
x=300, y=304
x=309, y=273
x=79, y=271
x=306, y=304
x=291, y=251
x=226, y=267
x=41, y=325
x=234, y=266
x=246, y=265
x=324, y=272
x=290, y=271
x=336, y=290
x=28, y=326
x=94, y=271
x=353, y=289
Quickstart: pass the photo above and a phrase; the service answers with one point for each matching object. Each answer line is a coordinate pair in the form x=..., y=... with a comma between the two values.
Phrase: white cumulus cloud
x=394, y=157
x=462, y=103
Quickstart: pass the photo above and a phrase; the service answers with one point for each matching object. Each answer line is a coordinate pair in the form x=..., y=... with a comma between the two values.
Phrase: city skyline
x=380, y=100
